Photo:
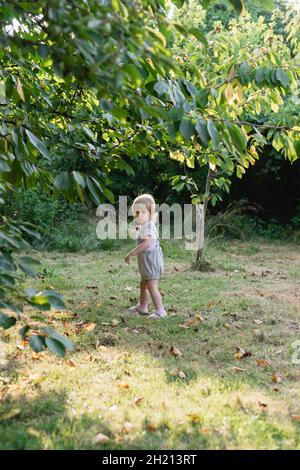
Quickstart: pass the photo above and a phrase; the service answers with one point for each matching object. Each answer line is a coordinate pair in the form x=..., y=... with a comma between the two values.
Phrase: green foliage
x=84, y=83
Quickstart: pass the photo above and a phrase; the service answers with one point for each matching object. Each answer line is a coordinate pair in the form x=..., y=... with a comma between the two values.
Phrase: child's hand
x=127, y=259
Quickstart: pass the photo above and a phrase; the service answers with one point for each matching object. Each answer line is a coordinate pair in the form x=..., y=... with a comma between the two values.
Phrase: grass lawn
x=235, y=384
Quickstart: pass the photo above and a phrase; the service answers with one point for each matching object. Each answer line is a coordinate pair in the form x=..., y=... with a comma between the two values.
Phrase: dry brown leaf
x=262, y=405
x=204, y=430
x=238, y=369
x=114, y=297
x=263, y=362
x=71, y=363
x=296, y=417
x=101, y=439
x=150, y=428
x=175, y=351
x=138, y=400
x=276, y=378
x=122, y=384
x=114, y=323
x=241, y=353
x=89, y=326
x=226, y=325
x=190, y=323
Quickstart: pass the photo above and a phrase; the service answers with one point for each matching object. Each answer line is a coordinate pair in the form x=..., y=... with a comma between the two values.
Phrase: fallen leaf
x=5, y=380
x=296, y=417
x=190, y=323
x=238, y=324
x=262, y=405
x=194, y=418
x=33, y=378
x=150, y=428
x=279, y=350
x=276, y=378
x=71, y=363
x=113, y=408
x=204, y=430
x=114, y=297
x=10, y=414
x=172, y=309
x=128, y=288
x=210, y=304
x=178, y=373
x=122, y=384
x=33, y=432
x=238, y=369
x=89, y=326
x=181, y=374
x=114, y=323
x=257, y=322
x=241, y=353
x=138, y=400
x=175, y=351
x=226, y=325
x=101, y=439
x=263, y=362
x=240, y=403
x=127, y=426
x=122, y=355
x=37, y=356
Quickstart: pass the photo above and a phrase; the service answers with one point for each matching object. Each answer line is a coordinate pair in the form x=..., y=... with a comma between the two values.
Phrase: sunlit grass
x=122, y=381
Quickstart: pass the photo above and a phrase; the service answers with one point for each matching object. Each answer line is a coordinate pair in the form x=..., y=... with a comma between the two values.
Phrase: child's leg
x=152, y=285
x=142, y=307
x=143, y=293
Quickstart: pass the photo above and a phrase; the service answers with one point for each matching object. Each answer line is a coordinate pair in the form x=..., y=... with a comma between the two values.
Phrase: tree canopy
x=84, y=83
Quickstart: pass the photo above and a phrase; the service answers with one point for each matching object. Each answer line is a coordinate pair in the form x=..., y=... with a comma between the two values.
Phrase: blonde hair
x=148, y=201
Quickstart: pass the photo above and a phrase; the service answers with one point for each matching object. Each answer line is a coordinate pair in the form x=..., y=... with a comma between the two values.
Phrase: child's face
x=141, y=214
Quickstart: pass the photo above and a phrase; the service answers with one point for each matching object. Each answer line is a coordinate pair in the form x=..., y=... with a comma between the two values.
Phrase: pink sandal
x=138, y=309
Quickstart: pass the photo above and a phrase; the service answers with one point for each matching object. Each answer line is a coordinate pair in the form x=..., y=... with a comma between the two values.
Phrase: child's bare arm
x=139, y=249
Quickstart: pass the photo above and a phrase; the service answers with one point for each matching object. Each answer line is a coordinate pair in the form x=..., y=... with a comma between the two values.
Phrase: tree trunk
x=199, y=255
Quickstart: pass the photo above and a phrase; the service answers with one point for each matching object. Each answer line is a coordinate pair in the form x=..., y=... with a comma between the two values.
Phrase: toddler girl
x=149, y=255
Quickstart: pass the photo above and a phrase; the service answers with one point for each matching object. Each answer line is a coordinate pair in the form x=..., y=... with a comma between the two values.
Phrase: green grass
x=46, y=403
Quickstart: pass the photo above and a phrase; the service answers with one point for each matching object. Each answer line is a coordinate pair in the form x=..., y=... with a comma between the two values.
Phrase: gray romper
x=150, y=261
